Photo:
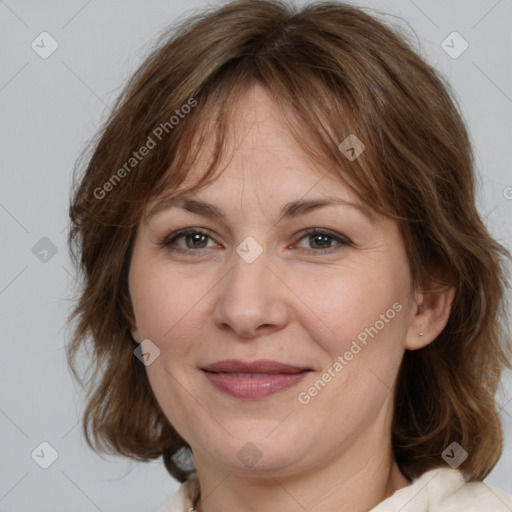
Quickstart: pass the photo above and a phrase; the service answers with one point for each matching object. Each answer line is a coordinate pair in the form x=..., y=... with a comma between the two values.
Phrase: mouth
x=253, y=380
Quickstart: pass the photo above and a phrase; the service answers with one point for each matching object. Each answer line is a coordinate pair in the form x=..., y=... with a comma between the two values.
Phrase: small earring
x=421, y=333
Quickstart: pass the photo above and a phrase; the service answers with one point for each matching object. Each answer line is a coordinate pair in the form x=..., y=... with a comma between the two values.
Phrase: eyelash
x=170, y=239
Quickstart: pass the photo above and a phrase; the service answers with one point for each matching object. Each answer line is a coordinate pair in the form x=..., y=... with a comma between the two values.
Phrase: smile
x=253, y=385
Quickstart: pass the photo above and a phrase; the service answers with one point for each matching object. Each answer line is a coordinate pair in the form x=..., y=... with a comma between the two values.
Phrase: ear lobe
x=433, y=312
x=134, y=332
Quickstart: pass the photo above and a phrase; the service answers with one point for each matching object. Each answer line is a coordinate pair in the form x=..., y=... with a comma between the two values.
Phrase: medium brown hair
x=334, y=70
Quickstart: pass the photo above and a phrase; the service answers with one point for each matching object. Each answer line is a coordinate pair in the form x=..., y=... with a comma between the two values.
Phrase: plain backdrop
x=50, y=107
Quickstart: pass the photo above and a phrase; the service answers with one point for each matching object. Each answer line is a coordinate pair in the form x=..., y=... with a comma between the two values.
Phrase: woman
x=290, y=293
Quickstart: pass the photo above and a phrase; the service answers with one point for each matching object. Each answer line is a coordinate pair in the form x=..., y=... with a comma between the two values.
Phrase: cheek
x=351, y=303
x=163, y=300
x=371, y=323
x=362, y=337
x=166, y=307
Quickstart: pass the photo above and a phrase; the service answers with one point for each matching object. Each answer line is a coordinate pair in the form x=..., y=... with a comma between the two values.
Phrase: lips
x=253, y=367
x=253, y=380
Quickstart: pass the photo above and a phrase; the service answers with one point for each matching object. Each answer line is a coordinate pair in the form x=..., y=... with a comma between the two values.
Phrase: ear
x=431, y=314
x=135, y=332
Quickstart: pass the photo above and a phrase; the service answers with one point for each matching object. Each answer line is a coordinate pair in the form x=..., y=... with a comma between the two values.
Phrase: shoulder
x=445, y=490
x=184, y=498
x=478, y=496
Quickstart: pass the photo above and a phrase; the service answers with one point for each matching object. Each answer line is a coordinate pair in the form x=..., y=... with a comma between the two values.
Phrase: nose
x=252, y=299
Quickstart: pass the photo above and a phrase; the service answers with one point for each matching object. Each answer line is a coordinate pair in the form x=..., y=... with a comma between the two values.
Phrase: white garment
x=437, y=490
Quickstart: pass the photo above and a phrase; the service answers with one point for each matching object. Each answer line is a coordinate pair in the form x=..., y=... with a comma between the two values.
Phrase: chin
x=252, y=454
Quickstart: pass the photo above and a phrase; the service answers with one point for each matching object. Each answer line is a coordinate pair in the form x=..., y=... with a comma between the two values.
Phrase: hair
x=333, y=70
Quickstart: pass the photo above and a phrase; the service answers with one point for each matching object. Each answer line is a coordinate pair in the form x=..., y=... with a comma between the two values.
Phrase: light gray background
x=50, y=107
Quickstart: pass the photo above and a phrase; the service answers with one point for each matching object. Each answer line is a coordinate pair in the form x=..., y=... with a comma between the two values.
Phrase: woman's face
x=254, y=285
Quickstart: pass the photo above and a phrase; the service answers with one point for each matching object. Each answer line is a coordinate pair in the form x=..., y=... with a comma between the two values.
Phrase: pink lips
x=256, y=379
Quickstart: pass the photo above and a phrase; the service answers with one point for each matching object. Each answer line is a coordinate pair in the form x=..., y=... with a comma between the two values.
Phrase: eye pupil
x=324, y=237
x=196, y=237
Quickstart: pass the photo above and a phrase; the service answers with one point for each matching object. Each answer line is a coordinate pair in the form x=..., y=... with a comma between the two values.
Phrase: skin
x=291, y=304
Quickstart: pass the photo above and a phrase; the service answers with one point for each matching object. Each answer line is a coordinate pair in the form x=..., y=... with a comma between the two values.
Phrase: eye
x=196, y=240
x=321, y=241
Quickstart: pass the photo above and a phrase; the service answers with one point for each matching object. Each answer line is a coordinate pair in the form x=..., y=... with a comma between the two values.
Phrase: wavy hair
x=333, y=70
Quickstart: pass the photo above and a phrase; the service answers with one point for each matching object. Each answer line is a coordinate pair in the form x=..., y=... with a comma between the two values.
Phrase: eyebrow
x=288, y=211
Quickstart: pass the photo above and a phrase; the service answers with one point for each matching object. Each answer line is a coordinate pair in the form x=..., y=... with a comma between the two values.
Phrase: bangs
x=319, y=118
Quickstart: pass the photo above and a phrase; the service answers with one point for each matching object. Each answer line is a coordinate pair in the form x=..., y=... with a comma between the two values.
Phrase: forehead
x=256, y=128
x=261, y=157
x=260, y=148
x=266, y=165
